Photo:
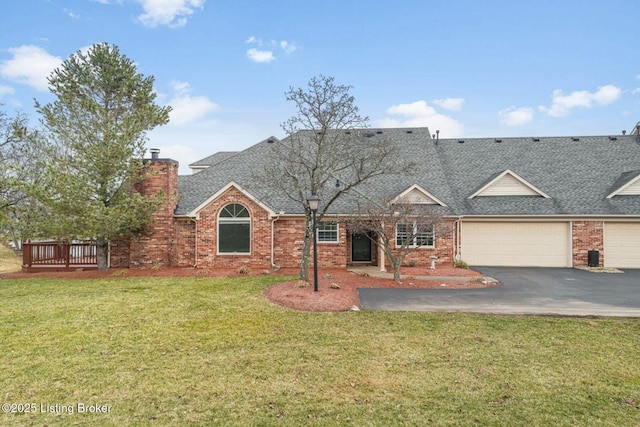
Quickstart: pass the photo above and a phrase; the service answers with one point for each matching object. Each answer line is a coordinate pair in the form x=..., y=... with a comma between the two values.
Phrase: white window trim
x=413, y=245
x=330, y=242
x=232, y=221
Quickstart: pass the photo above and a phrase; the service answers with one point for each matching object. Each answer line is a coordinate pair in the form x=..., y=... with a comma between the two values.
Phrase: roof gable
x=627, y=185
x=508, y=183
x=194, y=213
x=417, y=195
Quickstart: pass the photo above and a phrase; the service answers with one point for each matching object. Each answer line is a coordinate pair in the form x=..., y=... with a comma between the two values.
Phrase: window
x=234, y=230
x=328, y=232
x=416, y=234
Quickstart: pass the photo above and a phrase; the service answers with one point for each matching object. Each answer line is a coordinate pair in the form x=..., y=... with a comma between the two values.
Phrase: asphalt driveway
x=560, y=291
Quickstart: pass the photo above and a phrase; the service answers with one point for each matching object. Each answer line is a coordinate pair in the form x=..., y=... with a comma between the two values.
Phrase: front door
x=361, y=247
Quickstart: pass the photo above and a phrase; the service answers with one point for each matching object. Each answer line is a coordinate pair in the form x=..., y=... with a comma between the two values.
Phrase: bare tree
x=398, y=228
x=327, y=143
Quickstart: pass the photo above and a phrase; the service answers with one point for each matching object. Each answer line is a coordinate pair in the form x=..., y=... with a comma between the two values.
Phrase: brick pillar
x=586, y=236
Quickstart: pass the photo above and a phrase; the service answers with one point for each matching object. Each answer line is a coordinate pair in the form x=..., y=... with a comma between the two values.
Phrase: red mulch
x=293, y=294
x=301, y=296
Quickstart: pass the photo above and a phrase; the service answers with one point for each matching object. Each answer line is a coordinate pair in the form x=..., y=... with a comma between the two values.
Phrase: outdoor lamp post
x=314, y=201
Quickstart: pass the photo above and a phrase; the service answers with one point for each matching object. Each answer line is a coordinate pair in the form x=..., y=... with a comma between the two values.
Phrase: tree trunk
x=102, y=254
x=396, y=269
x=306, y=249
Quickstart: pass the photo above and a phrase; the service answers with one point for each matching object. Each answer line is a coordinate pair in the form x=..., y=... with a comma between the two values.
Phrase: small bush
x=244, y=270
x=460, y=264
x=412, y=263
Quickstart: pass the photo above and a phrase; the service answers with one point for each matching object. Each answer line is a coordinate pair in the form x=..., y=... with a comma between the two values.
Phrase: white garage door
x=522, y=244
x=621, y=245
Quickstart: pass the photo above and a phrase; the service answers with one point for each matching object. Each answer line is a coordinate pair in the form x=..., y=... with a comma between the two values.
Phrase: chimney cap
x=154, y=153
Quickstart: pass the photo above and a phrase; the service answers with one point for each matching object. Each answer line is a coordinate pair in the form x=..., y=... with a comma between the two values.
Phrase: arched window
x=234, y=230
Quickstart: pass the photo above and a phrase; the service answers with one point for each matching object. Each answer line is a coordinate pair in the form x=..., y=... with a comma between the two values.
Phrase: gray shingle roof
x=213, y=159
x=577, y=175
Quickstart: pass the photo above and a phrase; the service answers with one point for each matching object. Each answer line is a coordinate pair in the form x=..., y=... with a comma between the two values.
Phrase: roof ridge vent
x=575, y=138
x=461, y=141
x=498, y=140
x=536, y=139
x=613, y=138
x=379, y=132
x=409, y=131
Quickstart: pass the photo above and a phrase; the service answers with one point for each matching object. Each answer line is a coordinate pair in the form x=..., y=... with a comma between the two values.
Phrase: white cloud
x=420, y=114
x=172, y=13
x=453, y=104
x=268, y=53
x=636, y=91
x=287, y=47
x=513, y=116
x=71, y=14
x=561, y=104
x=30, y=65
x=6, y=90
x=257, y=55
x=187, y=108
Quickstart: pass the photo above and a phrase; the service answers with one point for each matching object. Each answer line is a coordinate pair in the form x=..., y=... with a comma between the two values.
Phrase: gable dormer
x=418, y=196
x=627, y=185
x=508, y=183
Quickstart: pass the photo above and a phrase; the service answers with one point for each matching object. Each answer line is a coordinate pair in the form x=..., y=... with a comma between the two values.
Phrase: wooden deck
x=58, y=256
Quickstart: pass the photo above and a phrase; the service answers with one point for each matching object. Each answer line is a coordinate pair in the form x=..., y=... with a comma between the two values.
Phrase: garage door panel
x=526, y=244
x=622, y=245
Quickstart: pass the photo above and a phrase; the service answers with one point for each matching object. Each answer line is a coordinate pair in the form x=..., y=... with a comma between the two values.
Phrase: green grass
x=211, y=351
x=9, y=261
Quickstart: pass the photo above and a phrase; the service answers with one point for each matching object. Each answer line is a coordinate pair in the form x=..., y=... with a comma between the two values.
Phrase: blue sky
x=466, y=68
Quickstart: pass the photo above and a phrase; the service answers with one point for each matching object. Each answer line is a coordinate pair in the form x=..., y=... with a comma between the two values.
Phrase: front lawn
x=213, y=351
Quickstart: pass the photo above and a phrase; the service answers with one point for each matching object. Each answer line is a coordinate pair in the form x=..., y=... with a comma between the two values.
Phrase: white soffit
x=508, y=183
x=417, y=195
x=631, y=188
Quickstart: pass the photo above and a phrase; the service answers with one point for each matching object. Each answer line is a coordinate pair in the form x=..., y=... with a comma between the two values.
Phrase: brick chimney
x=154, y=247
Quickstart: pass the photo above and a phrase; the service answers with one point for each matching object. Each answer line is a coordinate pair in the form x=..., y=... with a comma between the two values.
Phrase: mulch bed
x=336, y=287
x=301, y=296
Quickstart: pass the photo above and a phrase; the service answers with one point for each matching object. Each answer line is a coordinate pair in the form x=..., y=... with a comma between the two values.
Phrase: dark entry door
x=360, y=247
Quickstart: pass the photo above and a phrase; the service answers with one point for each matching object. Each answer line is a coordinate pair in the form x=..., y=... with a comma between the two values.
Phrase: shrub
x=460, y=264
x=244, y=270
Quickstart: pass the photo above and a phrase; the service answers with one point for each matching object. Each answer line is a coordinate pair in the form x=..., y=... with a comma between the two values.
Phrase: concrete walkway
x=374, y=271
x=548, y=291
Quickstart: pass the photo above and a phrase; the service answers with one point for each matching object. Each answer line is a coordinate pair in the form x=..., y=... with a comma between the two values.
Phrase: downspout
x=195, y=261
x=458, y=256
x=571, y=244
x=273, y=234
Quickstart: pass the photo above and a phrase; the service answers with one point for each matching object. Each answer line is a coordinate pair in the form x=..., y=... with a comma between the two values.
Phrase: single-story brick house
x=523, y=201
